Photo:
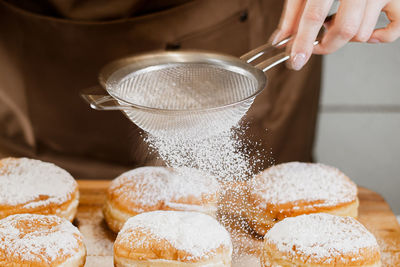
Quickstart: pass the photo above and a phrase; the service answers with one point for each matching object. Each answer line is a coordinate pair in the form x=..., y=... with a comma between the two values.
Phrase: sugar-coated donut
x=40, y=240
x=295, y=188
x=33, y=186
x=172, y=238
x=159, y=188
x=320, y=240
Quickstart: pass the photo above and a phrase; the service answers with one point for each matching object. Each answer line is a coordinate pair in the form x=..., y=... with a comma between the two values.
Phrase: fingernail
x=298, y=61
x=373, y=41
x=274, y=39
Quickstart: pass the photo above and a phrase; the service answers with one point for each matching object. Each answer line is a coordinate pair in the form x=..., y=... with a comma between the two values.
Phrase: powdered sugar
x=98, y=239
x=321, y=236
x=223, y=155
x=150, y=186
x=295, y=181
x=36, y=238
x=197, y=234
x=33, y=183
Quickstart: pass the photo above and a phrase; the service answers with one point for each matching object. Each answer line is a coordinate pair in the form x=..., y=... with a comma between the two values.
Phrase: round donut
x=172, y=238
x=159, y=188
x=296, y=188
x=40, y=240
x=33, y=186
x=320, y=240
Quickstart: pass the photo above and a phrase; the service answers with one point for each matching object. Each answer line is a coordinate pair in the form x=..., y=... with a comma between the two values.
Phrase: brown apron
x=45, y=61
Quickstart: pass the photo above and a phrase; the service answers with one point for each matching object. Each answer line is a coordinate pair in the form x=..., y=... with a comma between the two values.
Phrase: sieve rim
x=142, y=61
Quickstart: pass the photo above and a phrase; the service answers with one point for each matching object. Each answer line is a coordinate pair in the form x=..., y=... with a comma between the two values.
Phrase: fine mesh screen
x=186, y=86
x=199, y=93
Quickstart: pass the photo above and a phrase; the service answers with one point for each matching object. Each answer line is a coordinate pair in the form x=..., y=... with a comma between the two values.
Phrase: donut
x=296, y=188
x=159, y=188
x=320, y=240
x=40, y=240
x=172, y=238
x=33, y=186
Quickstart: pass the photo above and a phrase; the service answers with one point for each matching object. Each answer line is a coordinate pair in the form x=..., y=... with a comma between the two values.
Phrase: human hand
x=354, y=21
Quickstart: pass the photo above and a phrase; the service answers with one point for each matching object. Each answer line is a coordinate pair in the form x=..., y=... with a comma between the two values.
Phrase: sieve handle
x=271, y=62
x=263, y=49
x=278, y=58
x=98, y=99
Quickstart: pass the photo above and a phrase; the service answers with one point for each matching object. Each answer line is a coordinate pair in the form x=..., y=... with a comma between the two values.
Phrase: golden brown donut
x=33, y=186
x=159, y=188
x=40, y=240
x=296, y=188
x=320, y=240
x=172, y=238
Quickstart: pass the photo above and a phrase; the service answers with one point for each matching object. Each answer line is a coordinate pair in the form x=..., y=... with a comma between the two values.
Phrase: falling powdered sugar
x=33, y=183
x=223, y=155
x=197, y=234
x=322, y=237
x=38, y=238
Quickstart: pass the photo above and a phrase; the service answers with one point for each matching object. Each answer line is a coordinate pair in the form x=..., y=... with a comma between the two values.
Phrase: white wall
x=359, y=123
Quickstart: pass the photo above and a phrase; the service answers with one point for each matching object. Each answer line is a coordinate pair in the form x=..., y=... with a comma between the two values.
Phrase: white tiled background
x=359, y=123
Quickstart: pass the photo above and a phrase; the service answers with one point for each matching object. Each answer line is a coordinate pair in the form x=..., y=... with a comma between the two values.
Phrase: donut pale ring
x=159, y=188
x=33, y=186
x=295, y=188
x=320, y=240
x=172, y=238
x=40, y=240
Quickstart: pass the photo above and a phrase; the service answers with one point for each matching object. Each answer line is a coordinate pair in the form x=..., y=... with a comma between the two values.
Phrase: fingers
x=314, y=14
x=392, y=31
x=288, y=21
x=354, y=21
x=345, y=26
x=371, y=15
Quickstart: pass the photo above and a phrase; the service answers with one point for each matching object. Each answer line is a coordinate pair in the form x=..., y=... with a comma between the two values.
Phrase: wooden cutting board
x=374, y=213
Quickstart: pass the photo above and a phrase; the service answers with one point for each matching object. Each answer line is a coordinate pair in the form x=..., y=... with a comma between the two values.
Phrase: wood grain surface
x=374, y=213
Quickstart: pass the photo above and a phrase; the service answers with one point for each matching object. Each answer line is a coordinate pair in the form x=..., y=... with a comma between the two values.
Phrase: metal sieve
x=165, y=92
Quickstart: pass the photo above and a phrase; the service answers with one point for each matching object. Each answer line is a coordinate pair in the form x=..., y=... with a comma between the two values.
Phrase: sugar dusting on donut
x=33, y=183
x=152, y=185
x=195, y=233
x=321, y=236
x=295, y=181
x=38, y=238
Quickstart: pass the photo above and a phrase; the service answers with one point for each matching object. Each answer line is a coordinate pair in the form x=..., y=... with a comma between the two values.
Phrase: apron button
x=243, y=16
x=173, y=46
